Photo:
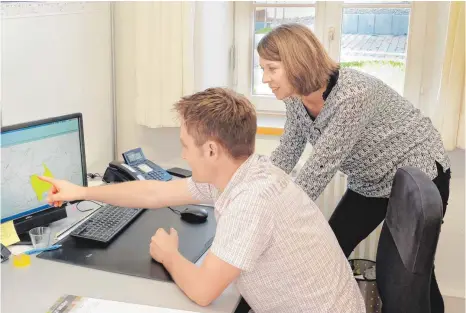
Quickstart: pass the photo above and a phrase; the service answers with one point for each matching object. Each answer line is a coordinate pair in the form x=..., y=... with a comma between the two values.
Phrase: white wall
x=450, y=259
x=213, y=35
x=56, y=59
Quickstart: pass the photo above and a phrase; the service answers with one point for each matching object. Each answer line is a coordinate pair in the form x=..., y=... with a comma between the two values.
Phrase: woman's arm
x=292, y=143
x=335, y=143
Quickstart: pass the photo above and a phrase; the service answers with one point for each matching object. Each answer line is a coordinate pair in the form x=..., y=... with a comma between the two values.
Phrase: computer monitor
x=51, y=147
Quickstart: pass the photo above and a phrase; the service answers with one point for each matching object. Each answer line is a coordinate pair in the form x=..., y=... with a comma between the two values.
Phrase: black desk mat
x=129, y=252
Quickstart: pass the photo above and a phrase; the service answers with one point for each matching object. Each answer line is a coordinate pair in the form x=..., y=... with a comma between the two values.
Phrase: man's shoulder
x=264, y=181
x=263, y=172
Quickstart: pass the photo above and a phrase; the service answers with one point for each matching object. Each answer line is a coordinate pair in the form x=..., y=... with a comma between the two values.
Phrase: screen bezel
x=20, y=126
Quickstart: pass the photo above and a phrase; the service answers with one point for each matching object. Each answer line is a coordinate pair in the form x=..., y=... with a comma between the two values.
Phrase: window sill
x=270, y=123
x=270, y=131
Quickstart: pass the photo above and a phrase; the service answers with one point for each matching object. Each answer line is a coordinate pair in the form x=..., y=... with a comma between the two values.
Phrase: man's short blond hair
x=221, y=115
x=307, y=64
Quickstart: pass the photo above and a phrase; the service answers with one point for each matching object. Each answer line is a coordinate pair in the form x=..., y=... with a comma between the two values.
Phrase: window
x=366, y=35
x=265, y=18
x=374, y=40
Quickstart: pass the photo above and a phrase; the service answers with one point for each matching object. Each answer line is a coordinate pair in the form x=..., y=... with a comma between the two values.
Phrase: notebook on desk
x=76, y=304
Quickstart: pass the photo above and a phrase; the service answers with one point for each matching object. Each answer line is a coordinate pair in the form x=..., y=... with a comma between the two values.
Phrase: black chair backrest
x=408, y=241
x=414, y=217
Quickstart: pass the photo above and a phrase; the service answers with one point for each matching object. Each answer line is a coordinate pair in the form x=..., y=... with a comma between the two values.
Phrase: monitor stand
x=24, y=239
x=43, y=218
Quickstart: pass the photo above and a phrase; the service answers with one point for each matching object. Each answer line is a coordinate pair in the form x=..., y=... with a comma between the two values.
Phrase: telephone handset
x=134, y=167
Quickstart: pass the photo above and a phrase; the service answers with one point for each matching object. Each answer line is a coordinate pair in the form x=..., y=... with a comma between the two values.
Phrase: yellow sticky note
x=8, y=235
x=21, y=260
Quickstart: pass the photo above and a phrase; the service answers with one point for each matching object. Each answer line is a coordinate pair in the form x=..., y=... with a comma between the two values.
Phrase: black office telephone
x=134, y=167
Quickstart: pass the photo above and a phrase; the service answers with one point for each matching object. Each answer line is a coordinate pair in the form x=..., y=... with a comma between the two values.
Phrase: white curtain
x=460, y=143
x=161, y=39
x=434, y=80
x=450, y=102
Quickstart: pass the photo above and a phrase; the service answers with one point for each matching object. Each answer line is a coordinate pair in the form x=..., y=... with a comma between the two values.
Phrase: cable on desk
x=77, y=205
x=100, y=205
x=174, y=211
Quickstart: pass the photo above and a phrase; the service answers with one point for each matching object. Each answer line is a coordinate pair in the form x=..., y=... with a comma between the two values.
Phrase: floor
x=454, y=305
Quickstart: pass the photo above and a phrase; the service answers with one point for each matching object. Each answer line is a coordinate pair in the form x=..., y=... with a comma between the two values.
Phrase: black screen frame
x=77, y=116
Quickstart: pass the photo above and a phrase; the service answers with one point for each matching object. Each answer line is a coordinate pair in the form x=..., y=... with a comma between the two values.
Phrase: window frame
x=328, y=21
x=244, y=41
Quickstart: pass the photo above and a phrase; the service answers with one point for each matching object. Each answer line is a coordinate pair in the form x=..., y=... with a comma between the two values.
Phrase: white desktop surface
x=36, y=288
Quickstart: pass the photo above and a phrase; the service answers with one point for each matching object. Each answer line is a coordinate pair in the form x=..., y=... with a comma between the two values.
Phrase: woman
x=356, y=124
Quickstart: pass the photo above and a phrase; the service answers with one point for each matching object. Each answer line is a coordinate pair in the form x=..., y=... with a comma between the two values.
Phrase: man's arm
x=241, y=236
x=201, y=284
x=149, y=194
x=205, y=283
x=136, y=194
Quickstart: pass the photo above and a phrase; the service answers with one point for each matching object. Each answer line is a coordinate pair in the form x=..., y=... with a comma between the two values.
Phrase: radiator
x=327, y=202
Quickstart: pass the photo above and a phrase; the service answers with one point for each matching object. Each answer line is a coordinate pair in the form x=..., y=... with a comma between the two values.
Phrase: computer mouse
x=194, y=215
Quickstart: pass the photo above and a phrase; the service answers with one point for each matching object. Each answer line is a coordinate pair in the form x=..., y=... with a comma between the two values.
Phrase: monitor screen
x=52, y=148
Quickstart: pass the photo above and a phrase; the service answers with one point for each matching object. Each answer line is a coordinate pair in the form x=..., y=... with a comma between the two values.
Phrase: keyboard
x=106, y=223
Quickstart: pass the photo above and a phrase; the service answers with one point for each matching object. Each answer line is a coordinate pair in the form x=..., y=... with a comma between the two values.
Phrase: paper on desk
x=8, y=235
x=75, y=304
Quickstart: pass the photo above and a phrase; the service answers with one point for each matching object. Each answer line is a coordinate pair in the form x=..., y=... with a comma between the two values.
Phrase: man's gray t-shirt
x=269, y=228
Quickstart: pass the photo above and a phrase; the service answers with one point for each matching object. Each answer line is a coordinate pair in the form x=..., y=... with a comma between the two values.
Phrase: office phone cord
x=174, y=211
x=77, y=205
x=94, y=175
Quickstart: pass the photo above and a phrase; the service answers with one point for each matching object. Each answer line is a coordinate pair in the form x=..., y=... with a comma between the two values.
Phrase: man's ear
x=212, y=149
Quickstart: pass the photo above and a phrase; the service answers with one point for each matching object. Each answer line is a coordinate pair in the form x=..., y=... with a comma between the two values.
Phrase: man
x=271, y=239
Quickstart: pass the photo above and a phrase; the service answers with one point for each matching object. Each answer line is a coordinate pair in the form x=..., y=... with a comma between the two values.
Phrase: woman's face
x=274, y=75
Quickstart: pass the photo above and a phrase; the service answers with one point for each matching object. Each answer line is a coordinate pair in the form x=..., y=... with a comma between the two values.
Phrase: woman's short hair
x=307, y=64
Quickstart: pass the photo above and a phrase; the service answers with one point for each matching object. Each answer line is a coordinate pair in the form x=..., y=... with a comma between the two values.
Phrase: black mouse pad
x=129, y=252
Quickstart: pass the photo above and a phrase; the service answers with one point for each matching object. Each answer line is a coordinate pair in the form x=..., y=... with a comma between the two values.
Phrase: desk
x=37, y=287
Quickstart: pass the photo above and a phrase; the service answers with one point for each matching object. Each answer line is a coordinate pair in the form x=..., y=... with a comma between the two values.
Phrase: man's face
x=198, y=157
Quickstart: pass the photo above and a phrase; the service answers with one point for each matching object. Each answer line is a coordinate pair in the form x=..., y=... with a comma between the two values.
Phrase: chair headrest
x=414, y=216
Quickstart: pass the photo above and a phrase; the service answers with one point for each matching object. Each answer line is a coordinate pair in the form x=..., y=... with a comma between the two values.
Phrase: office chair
x=407, y=244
